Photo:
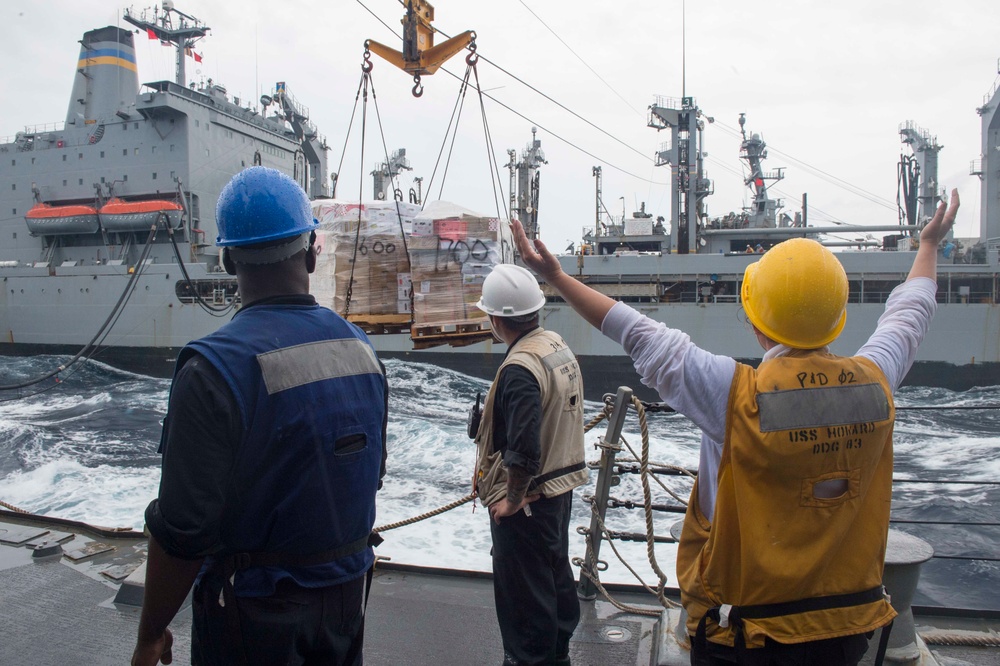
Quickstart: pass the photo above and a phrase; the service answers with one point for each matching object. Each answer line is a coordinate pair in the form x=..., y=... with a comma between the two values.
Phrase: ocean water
x=85, y=449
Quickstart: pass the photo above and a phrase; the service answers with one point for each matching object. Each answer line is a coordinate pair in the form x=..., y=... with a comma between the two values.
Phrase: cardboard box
x=451, y=228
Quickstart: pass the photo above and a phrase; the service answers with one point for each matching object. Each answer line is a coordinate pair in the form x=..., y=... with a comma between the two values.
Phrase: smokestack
x=106, y=76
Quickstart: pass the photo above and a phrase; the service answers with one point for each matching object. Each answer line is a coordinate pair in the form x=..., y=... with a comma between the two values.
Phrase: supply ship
x=107, y=229
x=80, y=264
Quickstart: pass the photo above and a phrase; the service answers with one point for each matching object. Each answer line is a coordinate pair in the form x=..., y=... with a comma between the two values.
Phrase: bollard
x=904, y=554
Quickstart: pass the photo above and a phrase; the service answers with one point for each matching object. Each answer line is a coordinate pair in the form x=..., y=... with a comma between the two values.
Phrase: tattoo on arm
x=517, y=483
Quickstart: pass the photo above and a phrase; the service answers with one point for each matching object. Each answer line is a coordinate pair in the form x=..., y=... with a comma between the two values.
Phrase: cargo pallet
x=384, y=324
x=455, y=333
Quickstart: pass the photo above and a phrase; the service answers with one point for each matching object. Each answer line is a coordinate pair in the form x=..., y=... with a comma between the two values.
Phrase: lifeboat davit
x=121, y=215
x=49, y=220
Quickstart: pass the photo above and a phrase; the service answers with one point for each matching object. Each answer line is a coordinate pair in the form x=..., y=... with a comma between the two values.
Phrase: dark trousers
x=296, y=625
x=843, y=651
x=533, y=583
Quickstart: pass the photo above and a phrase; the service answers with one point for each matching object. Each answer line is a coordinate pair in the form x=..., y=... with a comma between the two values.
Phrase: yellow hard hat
x=797, y=294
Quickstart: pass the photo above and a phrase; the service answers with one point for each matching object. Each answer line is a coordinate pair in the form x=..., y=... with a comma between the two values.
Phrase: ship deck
x=79, y=605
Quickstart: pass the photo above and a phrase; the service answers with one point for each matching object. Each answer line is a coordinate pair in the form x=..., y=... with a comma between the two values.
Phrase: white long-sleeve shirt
x=696, y=382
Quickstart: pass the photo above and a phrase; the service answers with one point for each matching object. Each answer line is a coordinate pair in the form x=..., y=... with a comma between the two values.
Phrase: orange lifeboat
x=47, y=220
x=120, y=215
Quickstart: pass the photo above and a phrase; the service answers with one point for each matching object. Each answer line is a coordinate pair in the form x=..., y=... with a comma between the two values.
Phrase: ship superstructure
x=80, y=198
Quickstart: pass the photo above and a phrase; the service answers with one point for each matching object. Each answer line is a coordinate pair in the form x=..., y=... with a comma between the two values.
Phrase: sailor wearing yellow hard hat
x=783, y=542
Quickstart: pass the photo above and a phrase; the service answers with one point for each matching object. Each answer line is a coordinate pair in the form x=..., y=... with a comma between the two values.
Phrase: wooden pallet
x=454, y=333
x=381, y=324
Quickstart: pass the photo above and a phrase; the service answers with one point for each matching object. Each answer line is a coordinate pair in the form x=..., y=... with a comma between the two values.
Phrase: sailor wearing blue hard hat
x=273, y=448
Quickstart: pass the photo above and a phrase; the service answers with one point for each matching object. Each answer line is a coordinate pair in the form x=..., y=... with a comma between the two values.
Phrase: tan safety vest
x=796, y=421
x=563, y=466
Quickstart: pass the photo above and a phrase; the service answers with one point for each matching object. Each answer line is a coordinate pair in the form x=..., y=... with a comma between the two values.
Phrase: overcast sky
x=827, y=85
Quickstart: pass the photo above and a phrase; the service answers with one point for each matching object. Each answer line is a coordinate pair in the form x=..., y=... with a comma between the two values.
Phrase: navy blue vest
x=312, y=400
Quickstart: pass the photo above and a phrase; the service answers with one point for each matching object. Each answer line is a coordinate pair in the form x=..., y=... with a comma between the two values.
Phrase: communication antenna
x=683, y=48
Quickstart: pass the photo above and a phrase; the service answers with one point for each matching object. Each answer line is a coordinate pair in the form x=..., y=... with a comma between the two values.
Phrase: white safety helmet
x=510, y=291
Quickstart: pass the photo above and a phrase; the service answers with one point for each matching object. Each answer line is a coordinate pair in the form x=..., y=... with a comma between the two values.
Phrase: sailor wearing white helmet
x=530, y=457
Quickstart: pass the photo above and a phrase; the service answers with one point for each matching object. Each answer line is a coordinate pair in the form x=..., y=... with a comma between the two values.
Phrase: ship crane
x=313, y=144
x=753, y=150
x=419, y=55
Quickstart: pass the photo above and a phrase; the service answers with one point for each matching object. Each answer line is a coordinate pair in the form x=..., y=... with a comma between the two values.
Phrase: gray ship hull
x=60, y=310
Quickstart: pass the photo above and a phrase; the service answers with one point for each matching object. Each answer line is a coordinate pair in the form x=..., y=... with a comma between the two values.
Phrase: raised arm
x=925, y=263
x=591, y=305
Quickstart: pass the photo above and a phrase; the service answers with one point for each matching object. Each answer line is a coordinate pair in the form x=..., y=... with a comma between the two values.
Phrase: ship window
x=79, y=156
x=208, y=153
x=13, y=162
x=136, y=151
x=81, y=181
x=64, y=158
x=124, y=127
x=125, y=178
x=154, y=175
x=124, y=152
x=136, y=126
x=102, y=154
x=15, y=213
x=32, y=160
x=154, y=150
x=171, y=147
x=64, y=182
x=197, y=123
x=13, y=186
x=173, y=175
x=102, y=179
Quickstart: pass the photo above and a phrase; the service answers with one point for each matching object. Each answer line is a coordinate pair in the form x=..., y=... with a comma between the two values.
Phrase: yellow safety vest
x=563, y=465
x=796, y=566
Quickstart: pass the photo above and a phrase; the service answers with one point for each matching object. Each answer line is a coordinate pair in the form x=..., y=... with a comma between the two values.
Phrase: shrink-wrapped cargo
x=362, y=248
x=402, y=266
x=448, y=265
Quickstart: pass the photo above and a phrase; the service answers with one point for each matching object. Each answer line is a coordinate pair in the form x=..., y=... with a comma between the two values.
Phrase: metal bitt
x=610, y=446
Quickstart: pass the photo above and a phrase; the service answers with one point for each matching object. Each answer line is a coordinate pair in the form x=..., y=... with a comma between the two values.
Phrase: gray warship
x=685, y=268
x=107, y=232
x=108, y=235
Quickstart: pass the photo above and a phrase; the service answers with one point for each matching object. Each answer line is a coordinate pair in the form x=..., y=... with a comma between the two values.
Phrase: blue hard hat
x=261, y=204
